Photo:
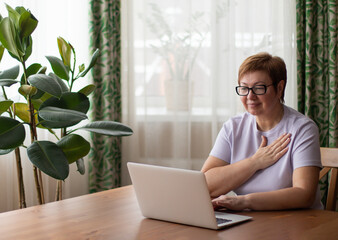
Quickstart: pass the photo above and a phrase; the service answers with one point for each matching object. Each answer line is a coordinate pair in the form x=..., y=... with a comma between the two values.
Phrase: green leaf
x=2, y=49
x=42, y=70
x=87, y=89
x=59, y=68
x=65, y=51
x=27, y=23
x=22, y=112
x=32, y=69
x=81, y=67
x=11, y=73
x=38, y=94
x=13, y=15
x=20, y=10
x=12, y=133
x=7, y=82
x=81, y=166
x=7, y=38
x=37, y=102
x=5, y=105
x=108, y=128
x=49, y=158
x=92, y=62
x=28, y=47
x=6, y=151
x=46, y=84
x=60, y=118
x=74, y=147
x=62, y=84
x=70, y=100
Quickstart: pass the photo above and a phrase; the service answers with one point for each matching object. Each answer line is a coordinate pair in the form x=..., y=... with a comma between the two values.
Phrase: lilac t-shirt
x=239, y=138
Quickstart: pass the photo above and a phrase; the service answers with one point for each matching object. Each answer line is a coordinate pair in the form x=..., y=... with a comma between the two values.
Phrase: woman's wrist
x=247, y=201
x=254, y=163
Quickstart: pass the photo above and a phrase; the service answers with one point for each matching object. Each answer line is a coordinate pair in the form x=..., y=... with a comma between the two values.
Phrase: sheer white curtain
x=201, y=43
x=68, y=19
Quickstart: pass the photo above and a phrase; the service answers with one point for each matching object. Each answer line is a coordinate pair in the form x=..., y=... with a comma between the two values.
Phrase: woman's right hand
x=268, y=155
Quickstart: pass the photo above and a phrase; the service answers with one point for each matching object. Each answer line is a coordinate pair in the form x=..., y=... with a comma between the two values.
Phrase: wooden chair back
x=329, y=158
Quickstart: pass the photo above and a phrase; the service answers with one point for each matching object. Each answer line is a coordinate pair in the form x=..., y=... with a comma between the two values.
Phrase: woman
x=270, y=155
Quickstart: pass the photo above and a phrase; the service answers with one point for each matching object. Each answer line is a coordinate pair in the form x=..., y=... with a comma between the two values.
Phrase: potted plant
x=179, y=50
x=49, y=103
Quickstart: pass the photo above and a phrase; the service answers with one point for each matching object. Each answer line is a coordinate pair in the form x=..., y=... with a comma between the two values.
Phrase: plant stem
x=57, y=191
x=22, y=196
x=38, y=179
x=37, y=184
x=60, y=188
x=41, y=187
x=21, y=186
x=4, y=92
x=72, y=70
x=58, y=195
x=32, y=126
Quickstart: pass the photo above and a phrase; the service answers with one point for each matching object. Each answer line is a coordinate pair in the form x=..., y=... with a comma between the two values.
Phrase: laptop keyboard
x=222, y=220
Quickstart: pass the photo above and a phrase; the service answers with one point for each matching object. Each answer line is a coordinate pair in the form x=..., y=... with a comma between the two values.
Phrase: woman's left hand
x=236, y=203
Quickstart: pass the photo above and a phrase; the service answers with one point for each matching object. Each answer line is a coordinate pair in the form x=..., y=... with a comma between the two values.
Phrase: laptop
x=177, y=195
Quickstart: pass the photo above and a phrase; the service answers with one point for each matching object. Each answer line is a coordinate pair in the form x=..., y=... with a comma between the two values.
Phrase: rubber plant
x=49, y=103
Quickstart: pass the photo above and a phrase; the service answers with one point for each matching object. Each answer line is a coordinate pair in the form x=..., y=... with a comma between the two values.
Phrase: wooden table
x=114, y=214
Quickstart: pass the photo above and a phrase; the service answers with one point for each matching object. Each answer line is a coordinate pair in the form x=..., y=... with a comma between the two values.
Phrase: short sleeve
x=306, y=149
x=222, y=146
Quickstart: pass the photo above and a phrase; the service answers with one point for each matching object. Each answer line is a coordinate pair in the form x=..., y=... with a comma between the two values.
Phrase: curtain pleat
x=105, y=157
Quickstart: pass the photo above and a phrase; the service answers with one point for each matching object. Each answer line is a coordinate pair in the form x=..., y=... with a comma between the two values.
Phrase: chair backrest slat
x=329, y=157
x=329, y=160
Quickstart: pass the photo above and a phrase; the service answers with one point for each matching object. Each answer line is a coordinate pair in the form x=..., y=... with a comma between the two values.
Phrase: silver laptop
x=177, y=195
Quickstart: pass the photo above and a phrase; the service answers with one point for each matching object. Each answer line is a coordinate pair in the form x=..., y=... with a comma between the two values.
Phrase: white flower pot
x=178, y=95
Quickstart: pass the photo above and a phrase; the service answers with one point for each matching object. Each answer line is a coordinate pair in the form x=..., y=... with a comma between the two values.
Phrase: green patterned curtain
x=317, y=67
x=105, y=156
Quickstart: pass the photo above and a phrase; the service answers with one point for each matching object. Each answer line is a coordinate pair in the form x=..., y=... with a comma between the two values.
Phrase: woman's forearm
x=287, y=198
x=301, y=195
x=223, y=179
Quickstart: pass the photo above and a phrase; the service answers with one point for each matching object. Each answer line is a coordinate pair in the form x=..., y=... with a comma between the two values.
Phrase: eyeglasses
x=257, y=90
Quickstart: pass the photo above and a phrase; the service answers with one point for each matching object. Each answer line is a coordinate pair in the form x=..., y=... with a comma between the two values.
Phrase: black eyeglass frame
x=252, y=89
